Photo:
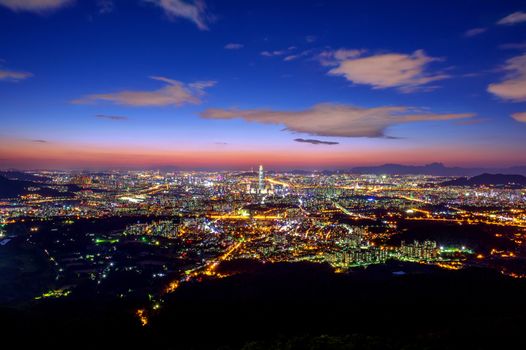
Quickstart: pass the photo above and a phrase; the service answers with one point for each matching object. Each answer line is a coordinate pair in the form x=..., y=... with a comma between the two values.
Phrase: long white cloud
x=193, y=10
x=513, y=87
x=514, y=18
x=389, y=70
x=34, y=5
x=11, y=75
x=173, y=93
x=334, y=119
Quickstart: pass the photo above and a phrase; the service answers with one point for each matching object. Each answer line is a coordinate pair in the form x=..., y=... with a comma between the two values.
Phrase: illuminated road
x=210, y=268
x=207, y=269
x=345, y=211
x=154, y=189
x=277, y=182
x=245, y=217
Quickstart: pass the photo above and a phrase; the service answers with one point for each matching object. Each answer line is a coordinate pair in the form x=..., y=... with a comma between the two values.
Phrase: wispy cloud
x=192, y=10
x=291, y=53
x=513, y=87
x=12, y=75
x=111, y=117
x=405, y=72
x=36, y=6
x=291, y=58
x=273, y=53
x=39, y=141
x=520, y=117
x=334, y=119
x=297, y=55
x=311, y=38
x=317, y=142
x=282, y=52
x=173, y=93
x=474, y=32
x=514, y=18
x=233, y=46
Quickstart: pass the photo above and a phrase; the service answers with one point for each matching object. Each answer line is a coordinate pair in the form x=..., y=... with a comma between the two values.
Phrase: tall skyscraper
x=261, y=186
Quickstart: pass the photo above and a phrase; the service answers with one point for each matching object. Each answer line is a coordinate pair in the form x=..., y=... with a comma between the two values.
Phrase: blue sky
x=235, y=83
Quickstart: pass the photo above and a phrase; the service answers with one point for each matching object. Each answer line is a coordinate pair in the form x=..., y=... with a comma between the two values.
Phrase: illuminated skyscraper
x=261, y=186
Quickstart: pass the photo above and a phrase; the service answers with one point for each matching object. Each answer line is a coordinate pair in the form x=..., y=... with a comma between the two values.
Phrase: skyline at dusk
x=230, y=85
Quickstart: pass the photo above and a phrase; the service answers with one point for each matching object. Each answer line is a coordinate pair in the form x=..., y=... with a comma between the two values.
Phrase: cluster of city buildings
x=175, y=226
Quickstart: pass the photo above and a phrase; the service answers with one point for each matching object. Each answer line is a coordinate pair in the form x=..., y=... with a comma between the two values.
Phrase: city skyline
x=214, y=85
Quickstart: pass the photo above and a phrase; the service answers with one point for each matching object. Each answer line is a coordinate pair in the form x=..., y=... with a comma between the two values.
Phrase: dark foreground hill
x=296, y=306
x=489, y=180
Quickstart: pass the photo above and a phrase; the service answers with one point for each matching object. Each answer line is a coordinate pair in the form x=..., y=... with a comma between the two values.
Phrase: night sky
x=288, y=84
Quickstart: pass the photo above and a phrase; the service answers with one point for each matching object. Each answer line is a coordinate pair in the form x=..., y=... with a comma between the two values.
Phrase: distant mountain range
x=489, y=180
x=19, y=175
x=14, y=188
x=436, y=169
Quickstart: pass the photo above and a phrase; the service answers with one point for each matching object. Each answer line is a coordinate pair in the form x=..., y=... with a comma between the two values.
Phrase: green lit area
x=244, y=212
x=55, y=293
x=106, y=241
x=451, y=250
